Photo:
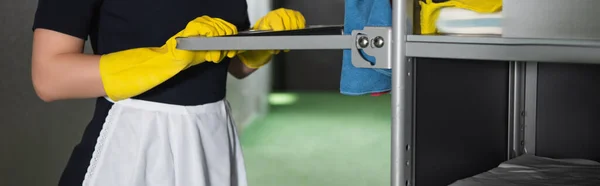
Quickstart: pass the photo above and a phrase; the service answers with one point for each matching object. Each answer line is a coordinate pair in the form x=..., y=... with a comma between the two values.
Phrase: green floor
x=323, y=139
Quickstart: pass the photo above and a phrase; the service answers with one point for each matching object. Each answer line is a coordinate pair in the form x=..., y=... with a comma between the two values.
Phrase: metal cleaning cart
x=396, y=48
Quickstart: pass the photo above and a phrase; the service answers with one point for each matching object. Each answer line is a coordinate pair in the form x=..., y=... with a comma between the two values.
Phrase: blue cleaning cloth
x=359, y=81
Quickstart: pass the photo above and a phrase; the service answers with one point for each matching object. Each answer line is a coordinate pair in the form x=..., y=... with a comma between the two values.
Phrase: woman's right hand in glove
x=207, y=27
x=131, y=72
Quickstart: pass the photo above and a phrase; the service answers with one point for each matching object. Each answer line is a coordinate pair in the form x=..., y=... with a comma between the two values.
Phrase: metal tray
x=311, y=30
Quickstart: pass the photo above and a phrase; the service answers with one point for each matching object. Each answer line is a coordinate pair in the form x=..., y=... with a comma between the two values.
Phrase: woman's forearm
x=67, y=76
x=238, y=69
x=60, y=70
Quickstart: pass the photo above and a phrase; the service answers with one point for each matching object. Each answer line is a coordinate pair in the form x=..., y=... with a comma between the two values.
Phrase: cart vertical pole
x=400, y=146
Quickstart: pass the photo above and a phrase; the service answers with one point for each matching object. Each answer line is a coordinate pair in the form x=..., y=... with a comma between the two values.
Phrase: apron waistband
x=219, y=106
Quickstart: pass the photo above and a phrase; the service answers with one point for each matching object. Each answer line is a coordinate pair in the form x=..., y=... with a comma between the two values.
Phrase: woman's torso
x=125, y=24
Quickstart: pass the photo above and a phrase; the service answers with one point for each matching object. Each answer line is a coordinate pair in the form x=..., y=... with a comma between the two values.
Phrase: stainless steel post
x=399, y=76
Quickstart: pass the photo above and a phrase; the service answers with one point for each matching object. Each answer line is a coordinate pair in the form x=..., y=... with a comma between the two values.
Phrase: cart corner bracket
x=372, y=48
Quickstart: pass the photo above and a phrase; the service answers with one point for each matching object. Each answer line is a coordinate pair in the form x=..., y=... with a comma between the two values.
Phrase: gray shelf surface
x=505, y=49
x=432, y=46
x=315, y=37
x=309, y=42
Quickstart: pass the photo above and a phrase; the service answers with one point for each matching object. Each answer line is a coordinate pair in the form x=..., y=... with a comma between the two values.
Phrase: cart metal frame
x=395, y=48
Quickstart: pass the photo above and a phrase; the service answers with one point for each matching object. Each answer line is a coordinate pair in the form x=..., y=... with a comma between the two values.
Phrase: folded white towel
x=462, y=21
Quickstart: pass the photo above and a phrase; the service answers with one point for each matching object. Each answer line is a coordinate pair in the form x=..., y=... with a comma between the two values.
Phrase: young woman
x=160, y=117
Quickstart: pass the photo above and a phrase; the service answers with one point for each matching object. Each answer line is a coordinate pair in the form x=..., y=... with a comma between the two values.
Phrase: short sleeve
x=246, y=25
x=71, y=17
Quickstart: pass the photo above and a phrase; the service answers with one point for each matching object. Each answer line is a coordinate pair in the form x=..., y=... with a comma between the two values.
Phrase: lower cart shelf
x=535, y=170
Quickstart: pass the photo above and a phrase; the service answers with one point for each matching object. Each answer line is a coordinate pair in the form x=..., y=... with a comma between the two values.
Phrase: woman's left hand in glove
x=277, y=20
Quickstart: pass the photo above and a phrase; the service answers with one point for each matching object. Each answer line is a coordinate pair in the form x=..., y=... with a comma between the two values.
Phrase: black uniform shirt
x=115, y=25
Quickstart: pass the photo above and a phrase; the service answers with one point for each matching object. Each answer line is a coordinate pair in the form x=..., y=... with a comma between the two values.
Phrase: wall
x=460, y=118
x=567, y=111
x=36, y=138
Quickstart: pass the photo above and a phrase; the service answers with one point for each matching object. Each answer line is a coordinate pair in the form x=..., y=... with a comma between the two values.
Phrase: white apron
x=146, y=143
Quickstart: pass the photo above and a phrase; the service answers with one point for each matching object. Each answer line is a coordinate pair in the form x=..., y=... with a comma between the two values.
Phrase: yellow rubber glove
x=430, y=10
x=276, y=20
x=131, y=72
